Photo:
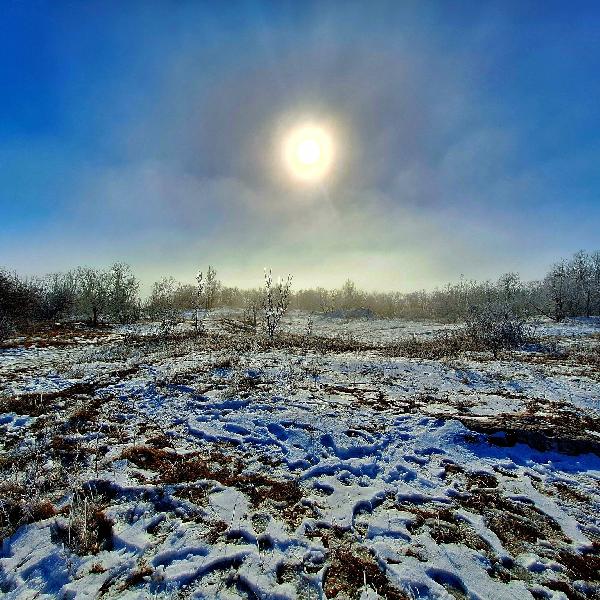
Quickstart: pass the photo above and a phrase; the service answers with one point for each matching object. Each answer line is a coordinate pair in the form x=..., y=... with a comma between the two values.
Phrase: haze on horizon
x=466, y=138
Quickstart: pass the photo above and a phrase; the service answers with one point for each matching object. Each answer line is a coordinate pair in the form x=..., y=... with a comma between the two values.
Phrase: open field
x=344, y=460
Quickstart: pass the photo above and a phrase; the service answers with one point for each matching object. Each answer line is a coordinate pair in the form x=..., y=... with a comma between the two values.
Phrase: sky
x=466, y=138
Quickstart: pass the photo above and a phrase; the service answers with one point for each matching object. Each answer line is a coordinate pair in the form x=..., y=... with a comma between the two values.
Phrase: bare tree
x=252, y=307
x=199, y=293
x=207, y=291
x=554, y=288
x=582, y=269
x=122, y=291
x=92, y=293
x=161, y=304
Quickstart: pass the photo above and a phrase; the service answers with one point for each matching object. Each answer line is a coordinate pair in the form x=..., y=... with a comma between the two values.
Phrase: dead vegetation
x=477, y=336
x=561, y=430
x=65, y=417
x=16, y=511
x=36, y=404
x=515, y=523
x=172, y=468
x=84, y=528
x=352, y=567
x=445, y=528
x=58, y=335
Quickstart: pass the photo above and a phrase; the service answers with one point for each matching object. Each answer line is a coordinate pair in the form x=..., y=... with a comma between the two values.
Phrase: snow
x=374, y=445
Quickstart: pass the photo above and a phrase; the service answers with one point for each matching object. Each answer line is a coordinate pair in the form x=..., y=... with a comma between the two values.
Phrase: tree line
x=570, y=288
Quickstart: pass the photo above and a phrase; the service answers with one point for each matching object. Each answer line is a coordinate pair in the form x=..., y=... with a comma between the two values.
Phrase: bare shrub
x=494, y=327
x=276, y=300
x=441, y=345
x=252, y=308
x=207, y=292
x=6, y=326
x=491, y=327
x=162, y=306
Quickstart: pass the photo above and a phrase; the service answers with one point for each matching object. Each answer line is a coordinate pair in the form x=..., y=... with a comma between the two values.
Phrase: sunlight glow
x=308, y=153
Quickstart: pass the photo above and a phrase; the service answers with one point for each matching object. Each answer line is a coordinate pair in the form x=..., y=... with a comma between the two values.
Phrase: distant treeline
x=570, y=288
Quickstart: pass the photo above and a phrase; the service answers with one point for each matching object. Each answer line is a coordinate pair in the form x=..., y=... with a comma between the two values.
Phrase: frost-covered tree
x=162, y=306
x=92, y=287
x=210, y=289
x=595, y=282
x=276, y=300
x=349, y=295
x=253, y=303
x=122, y=294
x=58, y=296
x=581, y=271
x=207, y=292
x=19, y=302
x=557, y=288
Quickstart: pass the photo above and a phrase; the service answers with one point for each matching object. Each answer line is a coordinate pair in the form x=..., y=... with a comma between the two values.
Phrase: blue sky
x=468, y=137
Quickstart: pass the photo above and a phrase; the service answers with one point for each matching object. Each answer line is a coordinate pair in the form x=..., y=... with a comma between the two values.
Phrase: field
x=345, y=460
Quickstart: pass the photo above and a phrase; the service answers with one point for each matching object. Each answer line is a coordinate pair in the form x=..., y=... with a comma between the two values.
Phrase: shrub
x=6, y=326
x=162, y=307
x=19, y=303
x=276, y=300
x=494, y=327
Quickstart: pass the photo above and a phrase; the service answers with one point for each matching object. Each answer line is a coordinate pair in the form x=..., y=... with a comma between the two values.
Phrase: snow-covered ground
x=190, y=469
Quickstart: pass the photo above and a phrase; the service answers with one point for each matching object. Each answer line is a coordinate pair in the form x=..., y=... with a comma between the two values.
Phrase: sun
x=308, y=152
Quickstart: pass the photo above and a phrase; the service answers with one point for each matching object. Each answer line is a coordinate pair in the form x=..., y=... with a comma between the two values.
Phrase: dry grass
x=16, y=511
x=562, y=430
x=351, y=566
x=137, y=576
x=516, y=524
x=86, y=528
x=443, y=526
x=54, y=335
x=36, y=404
x=173, y=468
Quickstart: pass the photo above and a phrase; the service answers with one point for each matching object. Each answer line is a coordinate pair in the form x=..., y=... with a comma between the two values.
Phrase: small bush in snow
x=495, y=327
x=86, y=529
x=276, y=300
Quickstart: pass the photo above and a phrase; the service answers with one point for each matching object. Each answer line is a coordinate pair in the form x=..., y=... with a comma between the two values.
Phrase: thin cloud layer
x=166, y=145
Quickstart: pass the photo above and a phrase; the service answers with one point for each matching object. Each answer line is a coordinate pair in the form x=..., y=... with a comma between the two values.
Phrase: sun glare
x=308, y=153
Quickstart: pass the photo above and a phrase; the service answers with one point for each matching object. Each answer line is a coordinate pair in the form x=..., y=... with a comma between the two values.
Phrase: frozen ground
x=215, y=467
